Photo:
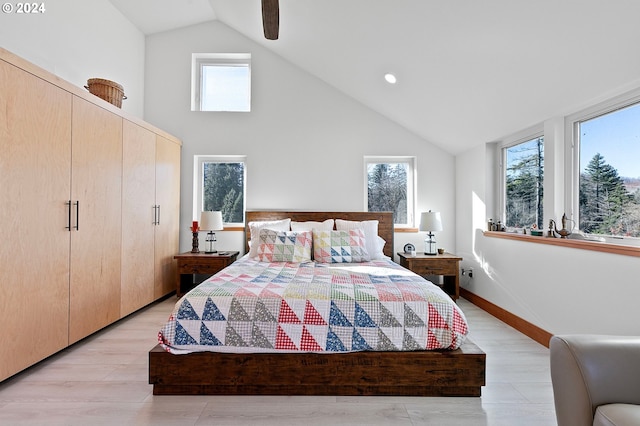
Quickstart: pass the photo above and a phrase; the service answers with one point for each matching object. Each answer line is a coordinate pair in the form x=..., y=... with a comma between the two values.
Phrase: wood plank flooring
x=103, y=381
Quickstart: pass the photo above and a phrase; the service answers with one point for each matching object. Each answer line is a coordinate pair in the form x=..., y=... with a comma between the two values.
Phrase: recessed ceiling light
x=390, y=78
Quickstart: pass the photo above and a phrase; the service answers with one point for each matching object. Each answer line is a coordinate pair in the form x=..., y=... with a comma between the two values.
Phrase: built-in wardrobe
x=89, y=218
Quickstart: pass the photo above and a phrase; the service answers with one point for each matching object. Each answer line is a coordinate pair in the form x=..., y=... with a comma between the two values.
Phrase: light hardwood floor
x=103, y=381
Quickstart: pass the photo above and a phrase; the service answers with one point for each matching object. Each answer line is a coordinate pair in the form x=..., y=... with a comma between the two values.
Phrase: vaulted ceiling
x=468, y=71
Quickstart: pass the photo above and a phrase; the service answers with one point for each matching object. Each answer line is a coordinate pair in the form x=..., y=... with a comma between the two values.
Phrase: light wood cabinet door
x=96, y=244
x=138, y=217
x=168, y=227
x=35, y=155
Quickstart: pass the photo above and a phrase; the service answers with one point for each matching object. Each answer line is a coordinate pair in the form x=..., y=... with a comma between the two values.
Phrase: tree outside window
x=390, y=187
x=223, y=185
x=609, y=180
x=219, y=185
x=524, y=179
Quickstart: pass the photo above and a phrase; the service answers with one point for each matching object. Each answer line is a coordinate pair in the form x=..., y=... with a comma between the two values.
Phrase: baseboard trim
x=525, y=327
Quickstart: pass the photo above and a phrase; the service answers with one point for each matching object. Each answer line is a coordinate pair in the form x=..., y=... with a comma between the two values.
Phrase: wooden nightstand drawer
x=197, y=266
x=435, y=267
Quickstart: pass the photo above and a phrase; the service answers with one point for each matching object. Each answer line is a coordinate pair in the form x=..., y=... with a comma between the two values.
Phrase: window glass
x=524, y=175
x=390, y=187
x=221, y=187
x=221, y=82
x=224, y=88
x=609, y=180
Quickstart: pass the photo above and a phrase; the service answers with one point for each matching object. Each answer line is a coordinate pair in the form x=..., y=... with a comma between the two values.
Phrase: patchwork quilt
x=254, y=306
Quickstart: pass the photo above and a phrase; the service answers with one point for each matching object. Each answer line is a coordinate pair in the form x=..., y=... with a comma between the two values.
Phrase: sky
x=616, y=136
x=226, y=88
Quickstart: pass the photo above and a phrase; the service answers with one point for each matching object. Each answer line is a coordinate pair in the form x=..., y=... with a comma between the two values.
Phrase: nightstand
x=192, y=264
x=447, y=265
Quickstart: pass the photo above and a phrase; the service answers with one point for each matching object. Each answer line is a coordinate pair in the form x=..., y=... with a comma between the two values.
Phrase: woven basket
x=108, y=90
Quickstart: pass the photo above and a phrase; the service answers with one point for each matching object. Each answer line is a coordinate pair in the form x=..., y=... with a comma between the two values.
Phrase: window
x=391, y=187
x=523, y=183
x=609, y=172
x=219, y=185
x=221, y=82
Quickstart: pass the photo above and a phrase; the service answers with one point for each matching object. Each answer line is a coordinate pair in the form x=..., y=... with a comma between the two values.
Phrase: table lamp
x=430, y=222
x=211, y=221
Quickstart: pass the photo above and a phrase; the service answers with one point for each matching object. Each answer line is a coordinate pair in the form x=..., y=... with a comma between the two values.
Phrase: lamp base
x=430, y=245
x=210, y=242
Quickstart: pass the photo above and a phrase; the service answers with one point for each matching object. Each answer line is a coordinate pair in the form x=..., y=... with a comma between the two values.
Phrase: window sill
x=397, y=230
x=234, y=228
x=578, y=244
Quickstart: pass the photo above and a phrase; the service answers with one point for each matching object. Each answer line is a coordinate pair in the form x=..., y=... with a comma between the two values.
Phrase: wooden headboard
x=385, y=222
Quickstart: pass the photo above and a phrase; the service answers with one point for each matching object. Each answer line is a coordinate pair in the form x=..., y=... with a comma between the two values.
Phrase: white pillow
x=255, y=227
x=370, y=228
x=381, y=243
x=327, y=225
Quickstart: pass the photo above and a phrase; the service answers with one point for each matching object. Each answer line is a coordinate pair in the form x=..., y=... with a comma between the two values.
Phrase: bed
x=289, y=371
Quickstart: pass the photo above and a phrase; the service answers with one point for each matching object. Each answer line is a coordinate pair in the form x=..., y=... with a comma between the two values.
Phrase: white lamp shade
x=430, y=221
x=211, y=221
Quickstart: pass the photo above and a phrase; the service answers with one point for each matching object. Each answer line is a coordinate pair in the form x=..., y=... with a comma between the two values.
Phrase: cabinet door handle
x=68, y=203
x=156, y=214
x=77, y=204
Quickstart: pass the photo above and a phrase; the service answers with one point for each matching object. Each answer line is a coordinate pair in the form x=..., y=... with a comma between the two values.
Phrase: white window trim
x=411, y=183
x=513, y=140
x=198, y=190
x=572, y=155
x=198, y=60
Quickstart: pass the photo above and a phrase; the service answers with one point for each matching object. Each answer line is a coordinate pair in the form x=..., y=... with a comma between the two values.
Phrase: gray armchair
x=596, y=379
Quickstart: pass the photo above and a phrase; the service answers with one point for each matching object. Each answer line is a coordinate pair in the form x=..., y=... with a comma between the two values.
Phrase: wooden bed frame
x=418, y=373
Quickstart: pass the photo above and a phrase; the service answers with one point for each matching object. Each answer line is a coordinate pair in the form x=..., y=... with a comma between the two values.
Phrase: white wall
x=77, y=40
x=304, y=140
x=559, y=289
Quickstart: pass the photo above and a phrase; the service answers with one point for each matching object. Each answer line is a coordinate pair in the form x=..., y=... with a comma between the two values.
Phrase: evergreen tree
x=524, y=186
x=604, y=200
x=223, y=190
x=387, y=190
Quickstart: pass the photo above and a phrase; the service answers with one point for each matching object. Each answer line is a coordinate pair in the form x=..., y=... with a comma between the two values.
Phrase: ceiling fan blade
x=270, y=19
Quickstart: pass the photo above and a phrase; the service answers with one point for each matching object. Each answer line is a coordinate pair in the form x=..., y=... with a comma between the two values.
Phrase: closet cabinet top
x=27, y=66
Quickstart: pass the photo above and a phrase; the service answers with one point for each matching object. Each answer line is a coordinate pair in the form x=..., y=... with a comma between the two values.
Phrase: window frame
x=198, y=182
x=411, y=161
x=561, y=174
x=199, y=60
x=572, y=157
x=517, y=139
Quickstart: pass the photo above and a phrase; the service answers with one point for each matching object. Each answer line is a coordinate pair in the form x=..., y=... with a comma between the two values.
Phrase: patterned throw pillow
x=375, y=244
x=284, y=246
x=340, y=246
x=256, y=226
